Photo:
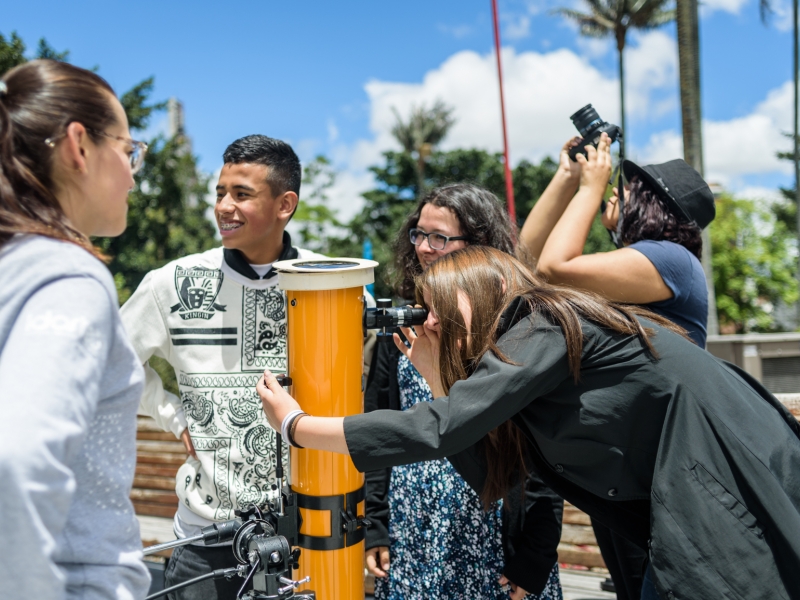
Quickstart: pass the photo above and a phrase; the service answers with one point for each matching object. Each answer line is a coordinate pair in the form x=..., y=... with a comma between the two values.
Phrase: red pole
x=512, y=212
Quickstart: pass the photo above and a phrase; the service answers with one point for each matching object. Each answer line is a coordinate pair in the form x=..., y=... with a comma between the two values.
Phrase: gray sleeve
x=50, y=369
x=492, y=395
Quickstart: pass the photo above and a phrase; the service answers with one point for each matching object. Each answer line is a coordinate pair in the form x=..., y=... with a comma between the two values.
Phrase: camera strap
x=616, y=236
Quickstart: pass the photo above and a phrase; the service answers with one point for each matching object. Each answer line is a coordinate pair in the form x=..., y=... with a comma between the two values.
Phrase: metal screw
x=294, y=302
x=275, y=557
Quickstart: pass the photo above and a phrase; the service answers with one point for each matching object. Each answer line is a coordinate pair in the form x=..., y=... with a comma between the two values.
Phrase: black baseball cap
x=681, y=187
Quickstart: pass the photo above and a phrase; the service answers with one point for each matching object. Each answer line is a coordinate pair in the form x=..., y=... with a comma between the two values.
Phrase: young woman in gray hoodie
x=69, y=380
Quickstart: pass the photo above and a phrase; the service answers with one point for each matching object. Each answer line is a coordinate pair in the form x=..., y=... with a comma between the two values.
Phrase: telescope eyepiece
x=388, y=318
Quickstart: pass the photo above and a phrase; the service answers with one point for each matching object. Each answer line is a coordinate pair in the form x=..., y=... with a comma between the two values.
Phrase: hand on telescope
x=423, y=354
x=596, y=169
x=317, y=433
x=276, y=401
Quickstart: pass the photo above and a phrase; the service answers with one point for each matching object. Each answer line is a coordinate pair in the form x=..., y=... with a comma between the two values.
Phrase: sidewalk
x=583, y=585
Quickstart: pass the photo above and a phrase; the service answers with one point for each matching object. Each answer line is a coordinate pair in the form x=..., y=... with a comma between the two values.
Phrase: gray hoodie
x=70, y=385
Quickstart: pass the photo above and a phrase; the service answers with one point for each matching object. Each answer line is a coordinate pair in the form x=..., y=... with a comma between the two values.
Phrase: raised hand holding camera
x=591, y=127
x=596, y=166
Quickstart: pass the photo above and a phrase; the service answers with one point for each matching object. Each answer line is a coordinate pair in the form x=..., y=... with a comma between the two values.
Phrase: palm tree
x=424, y=129
x=691, y=119
x=615, y=18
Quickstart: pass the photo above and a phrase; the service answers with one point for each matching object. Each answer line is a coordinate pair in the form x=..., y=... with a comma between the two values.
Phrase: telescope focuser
x=387, y=318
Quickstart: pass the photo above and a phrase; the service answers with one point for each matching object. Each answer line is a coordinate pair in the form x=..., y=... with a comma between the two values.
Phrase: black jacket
x=681, y=452
x=531, y=517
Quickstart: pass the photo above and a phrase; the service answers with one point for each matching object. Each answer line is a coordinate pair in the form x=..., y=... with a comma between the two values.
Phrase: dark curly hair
x=647, y=217
x=483, y=221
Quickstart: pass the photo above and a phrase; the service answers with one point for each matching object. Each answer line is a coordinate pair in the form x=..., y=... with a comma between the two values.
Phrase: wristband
x=293, y=427
x=287, y=420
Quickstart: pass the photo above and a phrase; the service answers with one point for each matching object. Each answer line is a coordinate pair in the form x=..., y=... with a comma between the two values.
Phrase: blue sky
x=325, y=76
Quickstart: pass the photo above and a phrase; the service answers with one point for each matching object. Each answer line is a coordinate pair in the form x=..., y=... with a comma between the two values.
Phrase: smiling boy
x=219, y=319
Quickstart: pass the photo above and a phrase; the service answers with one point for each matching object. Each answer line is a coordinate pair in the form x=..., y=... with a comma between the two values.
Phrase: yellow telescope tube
x=325, y=304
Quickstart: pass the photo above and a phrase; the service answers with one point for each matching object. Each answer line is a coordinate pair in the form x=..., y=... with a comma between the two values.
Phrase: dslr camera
x=591, y=127
x=388, y=318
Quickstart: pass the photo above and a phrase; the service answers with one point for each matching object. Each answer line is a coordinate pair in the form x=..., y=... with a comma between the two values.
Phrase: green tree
x=753, y=265
x=765, y=9
x=614, y=18
x=314, y=219
x=420, y=135
x=166, y=216
x=12, y=52
x=388, y=205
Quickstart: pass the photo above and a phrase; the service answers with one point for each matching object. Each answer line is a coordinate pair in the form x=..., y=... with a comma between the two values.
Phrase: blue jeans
x=648, y=587
x=188, y=562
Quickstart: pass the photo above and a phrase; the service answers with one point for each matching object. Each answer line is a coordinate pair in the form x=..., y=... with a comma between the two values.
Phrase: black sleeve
x=497, y=391
x=380, y=386
x=531, y=533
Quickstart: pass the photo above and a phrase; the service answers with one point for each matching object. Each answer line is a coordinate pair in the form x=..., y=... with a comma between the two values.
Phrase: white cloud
x=516, y=28
x=730, y=6
x=457, y=31
x=767, y=195
x=781, y=16
x=739, y=147
x=541, y=90
x=333, y=131
x=593, y=48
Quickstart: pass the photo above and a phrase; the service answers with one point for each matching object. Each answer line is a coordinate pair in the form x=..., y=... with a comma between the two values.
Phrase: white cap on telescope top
x=324, y=274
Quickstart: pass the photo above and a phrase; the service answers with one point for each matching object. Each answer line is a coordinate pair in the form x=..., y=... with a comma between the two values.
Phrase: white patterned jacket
x=219, y=327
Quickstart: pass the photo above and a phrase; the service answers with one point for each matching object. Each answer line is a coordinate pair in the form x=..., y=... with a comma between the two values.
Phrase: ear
x=287, y=203
x=74, y=149
x=503, y=284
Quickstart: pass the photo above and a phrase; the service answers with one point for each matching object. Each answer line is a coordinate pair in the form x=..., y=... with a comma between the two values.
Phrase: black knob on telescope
x=383, y=303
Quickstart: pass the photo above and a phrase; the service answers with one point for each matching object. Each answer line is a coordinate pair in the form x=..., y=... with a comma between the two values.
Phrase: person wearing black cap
x=656, y=226
x=658, y=233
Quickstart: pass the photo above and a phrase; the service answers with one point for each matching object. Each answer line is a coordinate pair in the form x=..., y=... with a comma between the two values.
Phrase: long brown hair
x=491, y=280
x=42, y=98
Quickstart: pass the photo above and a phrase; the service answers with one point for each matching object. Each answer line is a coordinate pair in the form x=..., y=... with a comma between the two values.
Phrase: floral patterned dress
x=443, y=545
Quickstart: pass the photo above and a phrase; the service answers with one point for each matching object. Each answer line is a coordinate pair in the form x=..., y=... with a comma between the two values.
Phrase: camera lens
x=391, y=317
x=408, y=317
x=586, y=120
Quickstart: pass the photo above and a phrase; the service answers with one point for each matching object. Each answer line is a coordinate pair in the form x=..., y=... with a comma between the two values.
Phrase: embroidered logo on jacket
x=264, y=330
x=197, y=289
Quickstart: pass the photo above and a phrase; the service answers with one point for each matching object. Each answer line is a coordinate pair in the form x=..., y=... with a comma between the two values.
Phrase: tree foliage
x=12, y=52
x=166, y=214
x=387, y=206
x=314, y=220
x=421, y=133
x=753, y=265
x=786, y=211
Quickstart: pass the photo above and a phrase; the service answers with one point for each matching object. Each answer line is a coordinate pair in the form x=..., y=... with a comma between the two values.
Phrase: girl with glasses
x=432, y=537
x=70, y=382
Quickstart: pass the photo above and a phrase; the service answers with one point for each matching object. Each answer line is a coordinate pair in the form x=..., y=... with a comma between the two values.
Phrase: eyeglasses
x=436, y=241
x=138, y=149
